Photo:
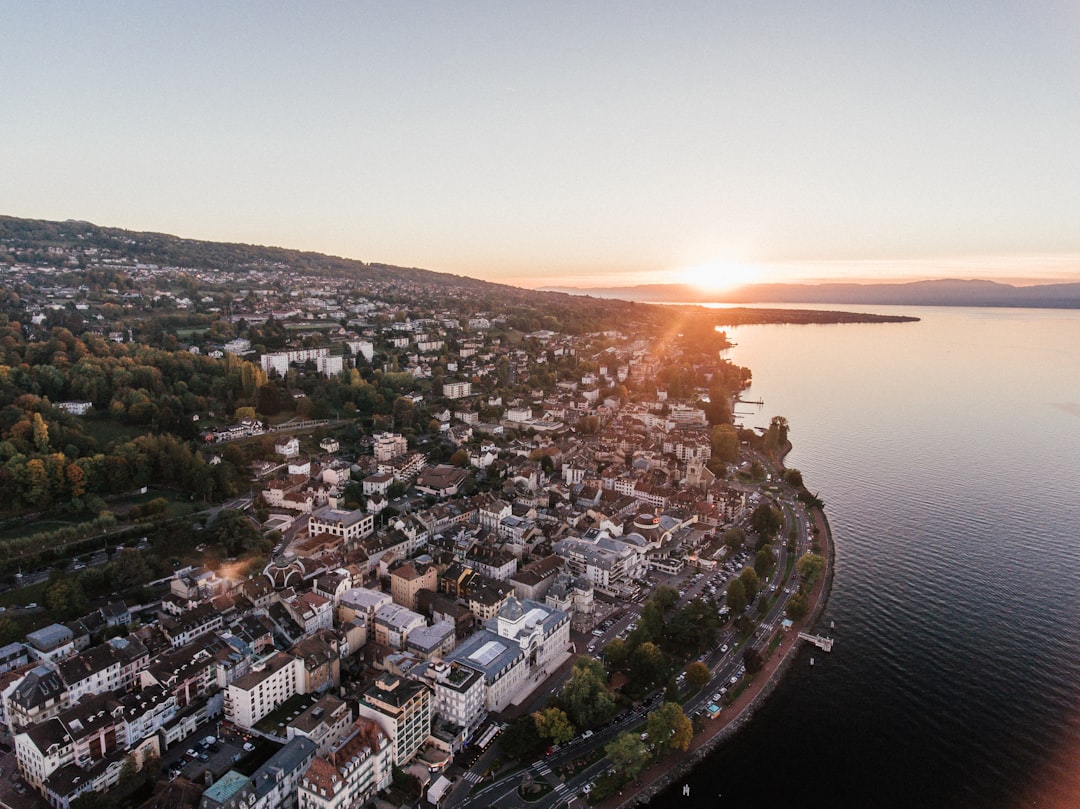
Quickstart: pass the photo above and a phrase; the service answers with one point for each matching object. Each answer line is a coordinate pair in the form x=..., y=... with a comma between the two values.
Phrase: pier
x=823, y=643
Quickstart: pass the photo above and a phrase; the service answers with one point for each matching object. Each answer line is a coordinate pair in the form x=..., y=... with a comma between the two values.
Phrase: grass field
x=107, y=432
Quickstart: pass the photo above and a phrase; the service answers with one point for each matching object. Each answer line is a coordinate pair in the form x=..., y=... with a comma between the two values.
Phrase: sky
x=547, y=143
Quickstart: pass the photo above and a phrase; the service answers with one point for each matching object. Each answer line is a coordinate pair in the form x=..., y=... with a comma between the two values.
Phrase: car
x=586, y=734
x=724, y=648
x=734, y=679
x=248, y=747
x=190, y=753
x=716, y=697
x=203, y=757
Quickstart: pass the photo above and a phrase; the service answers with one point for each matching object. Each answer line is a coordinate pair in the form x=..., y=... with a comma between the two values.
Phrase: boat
x=811, y=661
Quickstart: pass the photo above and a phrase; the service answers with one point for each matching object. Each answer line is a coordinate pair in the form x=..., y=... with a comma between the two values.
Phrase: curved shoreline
x=676, y=766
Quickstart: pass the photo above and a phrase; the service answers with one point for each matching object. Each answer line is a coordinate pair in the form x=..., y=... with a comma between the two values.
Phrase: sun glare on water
x=718, y=276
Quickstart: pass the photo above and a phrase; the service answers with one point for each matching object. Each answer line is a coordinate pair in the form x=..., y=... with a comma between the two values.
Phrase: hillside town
x=462, y=500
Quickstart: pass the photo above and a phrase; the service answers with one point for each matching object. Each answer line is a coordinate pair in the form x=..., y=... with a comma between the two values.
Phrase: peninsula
x=278, y=518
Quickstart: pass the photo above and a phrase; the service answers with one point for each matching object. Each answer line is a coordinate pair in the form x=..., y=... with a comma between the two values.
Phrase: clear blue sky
x=540, y=142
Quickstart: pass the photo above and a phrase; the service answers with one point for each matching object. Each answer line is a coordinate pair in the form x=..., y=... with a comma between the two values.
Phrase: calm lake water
x=948, y=455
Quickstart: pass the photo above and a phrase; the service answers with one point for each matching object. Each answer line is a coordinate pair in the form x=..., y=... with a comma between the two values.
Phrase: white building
x=457, y=390
x=459, y=694
x=389, y=445
x=257, y=694
x=351, y=526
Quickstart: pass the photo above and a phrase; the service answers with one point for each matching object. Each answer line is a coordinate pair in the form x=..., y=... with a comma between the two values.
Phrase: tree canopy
x=810, y=566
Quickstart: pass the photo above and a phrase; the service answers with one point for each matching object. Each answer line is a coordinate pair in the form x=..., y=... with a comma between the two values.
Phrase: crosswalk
x=473, y=777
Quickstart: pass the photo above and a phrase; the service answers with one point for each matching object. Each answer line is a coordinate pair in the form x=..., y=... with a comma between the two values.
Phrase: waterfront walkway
x=670, y=769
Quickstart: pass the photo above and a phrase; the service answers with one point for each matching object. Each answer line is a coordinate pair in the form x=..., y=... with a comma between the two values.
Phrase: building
x=279, y=361
x=457, y=390
x=352, y=773
x=458, y=698
x=402, y=708
x=389, y=446
x=325, y=723
x=351, y=526
x=501, y=662
x=277, y=782
x=393, y=623
x=407, y=580
x=442, y=480
x=255, y=695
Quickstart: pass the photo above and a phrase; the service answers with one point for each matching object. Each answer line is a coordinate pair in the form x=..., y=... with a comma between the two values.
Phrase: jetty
x=823, y=643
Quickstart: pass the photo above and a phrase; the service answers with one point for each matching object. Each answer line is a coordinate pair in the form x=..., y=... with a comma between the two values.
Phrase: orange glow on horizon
x=718, y=275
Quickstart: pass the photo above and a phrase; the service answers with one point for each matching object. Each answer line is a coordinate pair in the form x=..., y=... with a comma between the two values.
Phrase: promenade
x=677, y=765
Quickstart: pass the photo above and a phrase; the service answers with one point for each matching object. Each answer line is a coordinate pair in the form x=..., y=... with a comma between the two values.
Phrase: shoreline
x=666, y=773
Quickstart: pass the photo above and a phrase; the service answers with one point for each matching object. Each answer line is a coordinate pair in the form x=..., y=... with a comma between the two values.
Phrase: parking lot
x=193, y=758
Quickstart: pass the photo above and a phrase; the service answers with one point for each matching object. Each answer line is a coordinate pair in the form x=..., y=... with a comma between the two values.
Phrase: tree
x=268, y=400
x=725, y=444
x=763, y=561
x=671, y=693
x=628, y=754
x=669, y=729
x=797, y=607
x=553, y=723
x=665, y=597
x=585, y=694
x=648, y=666
x=404, y=413
x=692, y=629
x=37, y=486
x=245, y=413
x=810, y=566
x=41, y=434
x=777, y=435
x=650, y=626
x=616, y=654
x=697, y=675
x=129, y=569
x=751, y=583
x=237, y=533
x=129, y=771
x=765, y=520
x=65, y=598
x=76, y=479
x=521, y=737
x=460, y=458
x=753, y=659
x=736, y=595
x=734, y=537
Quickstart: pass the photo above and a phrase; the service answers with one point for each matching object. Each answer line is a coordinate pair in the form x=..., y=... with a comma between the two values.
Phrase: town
x=331, y=539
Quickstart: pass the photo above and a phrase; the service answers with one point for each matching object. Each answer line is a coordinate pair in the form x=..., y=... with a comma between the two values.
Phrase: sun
x=718, y=275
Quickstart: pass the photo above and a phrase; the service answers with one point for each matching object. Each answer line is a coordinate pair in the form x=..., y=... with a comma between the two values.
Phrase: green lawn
x=107, y=432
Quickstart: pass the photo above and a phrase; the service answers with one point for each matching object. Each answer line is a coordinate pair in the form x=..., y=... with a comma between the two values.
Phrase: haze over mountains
x=944, y=292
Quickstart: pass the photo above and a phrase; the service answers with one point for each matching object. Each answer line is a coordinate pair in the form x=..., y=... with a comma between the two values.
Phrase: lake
x=948, y=455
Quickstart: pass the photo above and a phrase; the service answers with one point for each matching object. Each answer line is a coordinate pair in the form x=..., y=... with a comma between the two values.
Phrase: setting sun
x=719, y=275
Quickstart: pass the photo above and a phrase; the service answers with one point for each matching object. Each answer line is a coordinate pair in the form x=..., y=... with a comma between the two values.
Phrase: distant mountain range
x=944, y=292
